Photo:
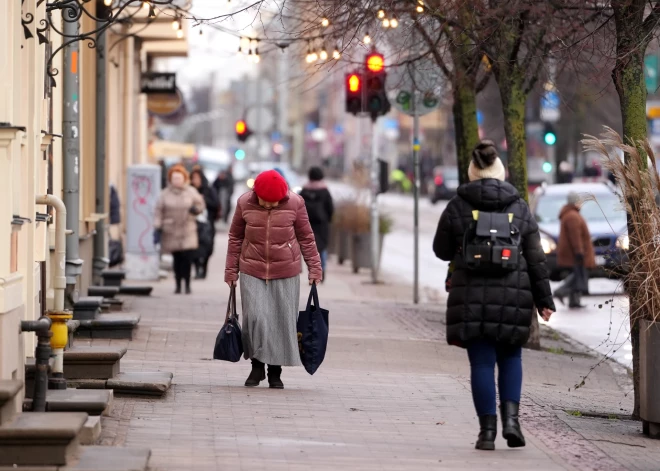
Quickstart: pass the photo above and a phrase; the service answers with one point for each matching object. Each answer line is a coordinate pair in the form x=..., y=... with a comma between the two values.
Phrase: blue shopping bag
x=312, y=333
x=228, y=343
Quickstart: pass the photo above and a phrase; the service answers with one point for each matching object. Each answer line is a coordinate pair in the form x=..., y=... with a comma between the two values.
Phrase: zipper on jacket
x=268, y=247
x=293, y=256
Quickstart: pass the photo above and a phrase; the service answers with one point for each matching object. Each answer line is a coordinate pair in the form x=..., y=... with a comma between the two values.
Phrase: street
x=602, y=325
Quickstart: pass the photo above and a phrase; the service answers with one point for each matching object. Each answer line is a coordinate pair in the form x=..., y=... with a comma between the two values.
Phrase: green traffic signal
x=239, y=154
x=547, y=167
x=550, y=138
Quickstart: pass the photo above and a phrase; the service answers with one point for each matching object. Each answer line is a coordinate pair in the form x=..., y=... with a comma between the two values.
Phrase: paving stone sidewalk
x=391, y=395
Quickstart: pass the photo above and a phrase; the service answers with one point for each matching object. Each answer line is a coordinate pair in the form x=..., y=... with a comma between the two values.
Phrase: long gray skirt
x=270, y=314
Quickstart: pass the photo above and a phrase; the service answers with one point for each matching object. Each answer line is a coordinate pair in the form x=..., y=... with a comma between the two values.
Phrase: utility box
x=142, y=260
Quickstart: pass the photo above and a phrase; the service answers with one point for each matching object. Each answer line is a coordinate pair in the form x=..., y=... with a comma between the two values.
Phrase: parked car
x=445, y=183
x=605, y=218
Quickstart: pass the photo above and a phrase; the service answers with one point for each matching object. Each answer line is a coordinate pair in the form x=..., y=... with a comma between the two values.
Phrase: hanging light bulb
x=336, y=54
x=314, y=57
x=107, y=3
x=256, y=58
x=420, y=9
x=394, y=22
x=201, y=32
x=146, y=4
x=325, y=22
x=152, y=12
x=176, y=24
x=367, y=39
x=381, y=14
x=323, y=55
x=245, y=44
x=386, y=23
x=179, y=34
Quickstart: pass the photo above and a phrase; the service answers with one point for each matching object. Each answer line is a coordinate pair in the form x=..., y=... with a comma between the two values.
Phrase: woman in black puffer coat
x=491, y=316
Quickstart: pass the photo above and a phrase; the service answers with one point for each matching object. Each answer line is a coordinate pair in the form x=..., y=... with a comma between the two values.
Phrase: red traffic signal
x=375, y=62
x=354, y=83
x=242, y=130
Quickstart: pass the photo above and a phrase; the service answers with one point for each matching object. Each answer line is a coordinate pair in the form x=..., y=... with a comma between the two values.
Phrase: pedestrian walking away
x=318, y=202
x=269, y=234
x=206, y=227
x=224, y=186
x=575, y=252
x=499, y=273
x=175, y=225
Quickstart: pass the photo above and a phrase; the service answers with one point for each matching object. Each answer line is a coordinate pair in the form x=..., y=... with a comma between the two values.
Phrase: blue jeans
x=483, y=355
x=324, y=259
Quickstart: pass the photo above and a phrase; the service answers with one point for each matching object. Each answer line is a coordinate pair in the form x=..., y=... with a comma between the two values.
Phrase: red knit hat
x=271, y=186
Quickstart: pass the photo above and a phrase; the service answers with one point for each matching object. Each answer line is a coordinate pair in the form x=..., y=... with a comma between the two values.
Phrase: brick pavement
x=390, y=395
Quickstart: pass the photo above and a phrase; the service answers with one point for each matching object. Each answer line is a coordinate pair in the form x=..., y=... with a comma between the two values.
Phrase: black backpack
x=491, y=245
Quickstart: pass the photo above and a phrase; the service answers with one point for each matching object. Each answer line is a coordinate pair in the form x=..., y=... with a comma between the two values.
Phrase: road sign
x=419, y=80
x=550, y=106
x=651, y=73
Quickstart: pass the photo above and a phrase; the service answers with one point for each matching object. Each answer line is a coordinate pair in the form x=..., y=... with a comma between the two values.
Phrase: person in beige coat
x=175, y=223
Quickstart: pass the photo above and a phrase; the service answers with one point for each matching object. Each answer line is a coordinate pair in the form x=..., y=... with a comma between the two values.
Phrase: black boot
x=488, y=432
x=177, y=290
x=188, y=291
x=274, y=380
x=257, y=375
x=510, y=424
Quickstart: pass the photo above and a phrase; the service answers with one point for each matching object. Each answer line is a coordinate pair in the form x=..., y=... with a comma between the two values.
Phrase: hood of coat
x=315, y=185
x=569, y=208
x=488, y=194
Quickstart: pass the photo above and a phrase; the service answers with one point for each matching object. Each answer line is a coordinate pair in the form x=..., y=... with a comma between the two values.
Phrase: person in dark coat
x=575, y=251
x=491, y=315
x=224, y=187
x=207, y=239
x=320, y=208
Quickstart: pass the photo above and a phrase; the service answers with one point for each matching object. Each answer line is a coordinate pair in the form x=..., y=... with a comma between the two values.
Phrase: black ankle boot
x=510, y=424
x=274, y=380
x=257, y=375
x=177, y=290
x=488, y=432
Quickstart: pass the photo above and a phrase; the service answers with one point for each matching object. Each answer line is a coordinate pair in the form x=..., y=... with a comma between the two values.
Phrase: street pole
x=71, y=161
x=416, y=185
x=100, y=259
x=375, y=232
x=259, y=129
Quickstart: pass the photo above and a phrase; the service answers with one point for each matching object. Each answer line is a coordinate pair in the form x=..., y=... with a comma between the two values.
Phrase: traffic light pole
x=416, y=184
x=375, y=226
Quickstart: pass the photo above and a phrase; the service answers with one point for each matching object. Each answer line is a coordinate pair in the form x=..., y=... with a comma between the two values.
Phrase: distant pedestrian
x=495, y=284
x=206, y=227
x=175, y=223
x=320, y=208
x=224, y=186
x=574, y=252
x=269, y=234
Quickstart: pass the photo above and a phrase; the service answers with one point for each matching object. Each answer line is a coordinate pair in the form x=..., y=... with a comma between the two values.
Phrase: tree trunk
x=628, y=76
x=513, y=105
x=465, y=125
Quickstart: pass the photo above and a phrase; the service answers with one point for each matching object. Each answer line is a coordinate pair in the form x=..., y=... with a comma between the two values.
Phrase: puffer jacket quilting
x=483, y=307
x=269, y=244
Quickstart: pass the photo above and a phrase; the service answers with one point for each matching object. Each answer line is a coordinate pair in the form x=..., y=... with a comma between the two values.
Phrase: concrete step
x=91, y=401
x=92, y=362
x=41, y=438
x=109, y=326
x=91, y=432
x=9, y=389
x=87, y=307
x=72, y=326
x=30, y=370
x=136, y=290
x=114, y=304
x=103, y=291
x=143, y=383
x=110, y=458
x=113, y=277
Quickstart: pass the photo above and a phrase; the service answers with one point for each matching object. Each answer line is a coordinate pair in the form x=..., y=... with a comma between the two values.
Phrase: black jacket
x=320, y=208
x=493, y=308
x=210, y=199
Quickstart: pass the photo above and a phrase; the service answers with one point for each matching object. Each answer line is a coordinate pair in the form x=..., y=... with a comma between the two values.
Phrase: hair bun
x=484, y=154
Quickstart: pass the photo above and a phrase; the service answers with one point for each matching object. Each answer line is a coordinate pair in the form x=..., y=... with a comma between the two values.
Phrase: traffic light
x=239, y=154
x=549, y=135
x=354, y=93
x=547, y=167
x=383, y=176
x=376, y=102
x=242, y=131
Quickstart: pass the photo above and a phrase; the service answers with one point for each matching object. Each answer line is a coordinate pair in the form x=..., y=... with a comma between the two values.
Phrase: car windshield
x=605, y=208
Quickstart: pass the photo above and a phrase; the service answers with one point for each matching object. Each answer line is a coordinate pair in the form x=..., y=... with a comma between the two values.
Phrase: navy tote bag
x=312, y=333
x=228, y=343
